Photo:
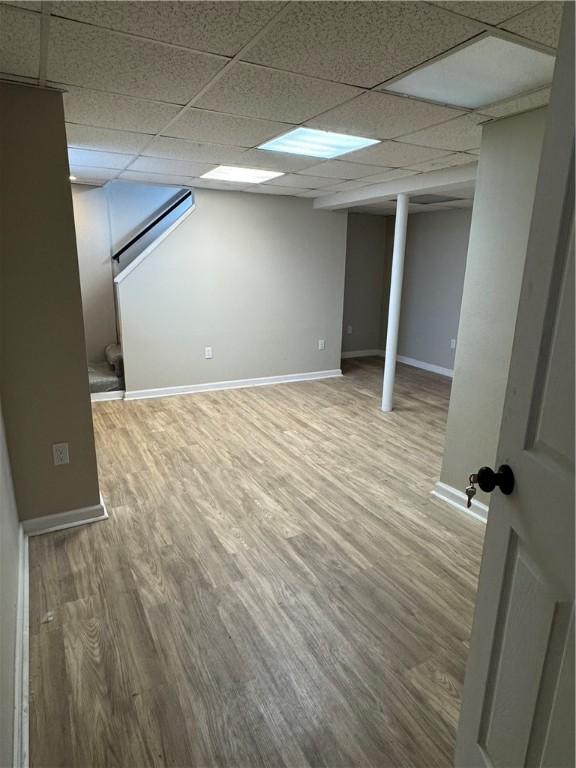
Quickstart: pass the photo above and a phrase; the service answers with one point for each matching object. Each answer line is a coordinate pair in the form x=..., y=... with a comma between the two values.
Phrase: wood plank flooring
x=274, y=587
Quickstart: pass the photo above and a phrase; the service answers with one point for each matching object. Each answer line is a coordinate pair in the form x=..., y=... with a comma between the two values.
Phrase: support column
x=395, y=300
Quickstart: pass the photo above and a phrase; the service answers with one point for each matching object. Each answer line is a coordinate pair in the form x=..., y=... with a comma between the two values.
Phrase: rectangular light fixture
x=309, y=141
x=483, y=72
x=240, y=175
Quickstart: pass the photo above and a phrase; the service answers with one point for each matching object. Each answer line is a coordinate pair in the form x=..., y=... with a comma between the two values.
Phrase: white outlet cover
x=60, y=454
x=208, y=353
x=321, y=344
x=349, y=329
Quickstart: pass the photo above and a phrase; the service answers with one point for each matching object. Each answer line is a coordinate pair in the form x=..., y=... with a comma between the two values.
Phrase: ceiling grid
x=164, y=91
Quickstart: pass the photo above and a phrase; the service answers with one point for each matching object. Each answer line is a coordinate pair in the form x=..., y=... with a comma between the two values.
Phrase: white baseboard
x=457, y=499
x=363, y=353
x=99, y=397
x=426, y=366
x=61, y=520
x=21, y=661
x=401, y=359
x=29, y=528
x=188, y=389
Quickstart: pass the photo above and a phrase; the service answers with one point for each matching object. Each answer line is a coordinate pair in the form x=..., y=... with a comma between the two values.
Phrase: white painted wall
x=131, y=205
x=258, y=278
x=434, y=267
x=94, y=261
x=506, y=183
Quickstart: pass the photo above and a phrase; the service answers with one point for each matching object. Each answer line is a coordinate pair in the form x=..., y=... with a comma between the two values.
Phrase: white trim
x=188, y=389
x=21, y=660
x=152, y=247
x=363, y=353
x=68, y=519
x=401, y=359
x=99, y=397
x=457, y=499
x=426, y=366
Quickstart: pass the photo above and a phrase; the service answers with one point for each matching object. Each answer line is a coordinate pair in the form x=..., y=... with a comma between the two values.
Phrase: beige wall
x=258, y=278
x=367, y=266
x=95, y=263
x=505, y=187
x=44, y=380
x=9, y=573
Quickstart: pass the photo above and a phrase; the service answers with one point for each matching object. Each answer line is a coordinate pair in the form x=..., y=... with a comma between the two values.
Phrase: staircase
x=108, y=376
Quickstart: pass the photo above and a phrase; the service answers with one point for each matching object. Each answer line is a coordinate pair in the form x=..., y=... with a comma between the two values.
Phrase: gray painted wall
x=131, y=205
x=434, y=267
x=505, y=188
x=94, y=261
x=367, y=264
x=43, y=374
x=258, y=278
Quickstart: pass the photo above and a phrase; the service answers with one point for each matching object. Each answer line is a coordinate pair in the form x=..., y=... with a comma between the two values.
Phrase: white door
x=518, y=707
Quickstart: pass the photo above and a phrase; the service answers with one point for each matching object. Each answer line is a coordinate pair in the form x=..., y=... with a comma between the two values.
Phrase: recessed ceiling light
x=481, y=73
x=72, y=178
x=309, y=141
x=241, y=175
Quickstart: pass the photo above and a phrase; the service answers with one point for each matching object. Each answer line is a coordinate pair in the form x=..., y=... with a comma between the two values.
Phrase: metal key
x=471, y=490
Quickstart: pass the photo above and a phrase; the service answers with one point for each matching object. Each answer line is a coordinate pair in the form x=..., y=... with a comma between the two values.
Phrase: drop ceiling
x=162, y=92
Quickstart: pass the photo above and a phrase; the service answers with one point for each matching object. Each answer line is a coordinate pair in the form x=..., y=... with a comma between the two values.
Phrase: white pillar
x=395, y=300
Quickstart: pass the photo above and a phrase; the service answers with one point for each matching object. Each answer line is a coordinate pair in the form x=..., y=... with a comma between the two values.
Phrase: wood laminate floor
x=274, y=587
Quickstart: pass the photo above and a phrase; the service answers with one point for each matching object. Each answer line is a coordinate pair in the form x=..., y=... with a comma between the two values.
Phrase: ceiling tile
x=395, y=154
x=391, y=175
x=107, y=110
x=219, y=27
x=90, y=158
x=156, y=178
x=180, y=149
x=460, y=134
x=203, y=125
x=267, y=189
x=273, y=95
x=359, y=43
x=448, y=161
x=541, y=23
x=340, y=169
x=346, y=186
x=19, y=42
x=276, y=161
x=173, y=167
x=490, y=11
x=312, y=193
x=82, y=55
x=520, y=104
x=382, y=116
x=219, y=184
x=299, y=180
x=99, y=175
x=104, y=139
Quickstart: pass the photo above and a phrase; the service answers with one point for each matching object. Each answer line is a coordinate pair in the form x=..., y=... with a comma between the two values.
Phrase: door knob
x=487, y=480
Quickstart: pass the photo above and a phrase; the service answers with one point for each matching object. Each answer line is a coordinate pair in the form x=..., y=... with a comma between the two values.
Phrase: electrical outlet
x=452, y=343
x=349, y=329
x=208, y=353
x=60, y=454
x=321, y=344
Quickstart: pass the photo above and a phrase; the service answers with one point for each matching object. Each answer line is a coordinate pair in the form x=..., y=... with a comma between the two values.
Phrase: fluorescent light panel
x=240, y=175
x=489, y=70
x=308, y=141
